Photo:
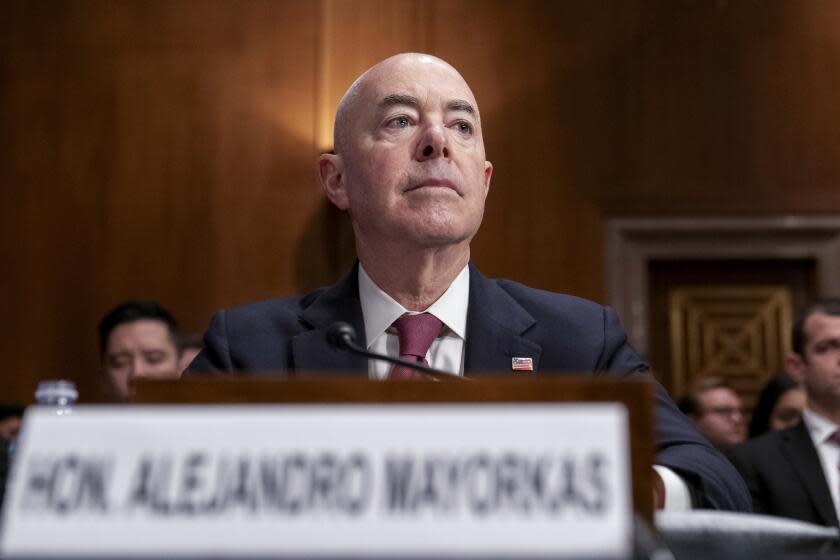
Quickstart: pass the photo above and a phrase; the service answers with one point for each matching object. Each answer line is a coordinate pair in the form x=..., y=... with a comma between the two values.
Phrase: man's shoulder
x=272, y=309
x=759, y=447
x=575, y=334
x=566, y=302
x=552, y=308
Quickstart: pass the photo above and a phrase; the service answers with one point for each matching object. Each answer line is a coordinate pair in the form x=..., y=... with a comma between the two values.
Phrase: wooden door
x=729, y=318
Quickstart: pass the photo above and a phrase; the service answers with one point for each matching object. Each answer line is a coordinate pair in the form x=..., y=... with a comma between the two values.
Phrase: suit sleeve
x=617, y=355
x=713, y=480
x=215, y=356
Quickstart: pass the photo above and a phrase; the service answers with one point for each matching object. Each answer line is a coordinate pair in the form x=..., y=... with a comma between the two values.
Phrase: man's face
x=413, y=168
x=819, y=368
x=10, y=427
x=139, y=349
x=721, y=419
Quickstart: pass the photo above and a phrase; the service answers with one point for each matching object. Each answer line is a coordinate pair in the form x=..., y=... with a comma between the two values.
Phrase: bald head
x=409, y=164
x=346, y=111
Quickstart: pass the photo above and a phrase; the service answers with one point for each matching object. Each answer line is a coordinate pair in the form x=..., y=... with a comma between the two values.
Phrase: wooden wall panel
x=166, y=149
x=732, y=110
x=150, y=149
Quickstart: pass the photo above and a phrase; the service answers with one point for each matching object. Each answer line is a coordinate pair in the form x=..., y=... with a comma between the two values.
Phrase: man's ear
x=331, y=174
x=795, y=367
x=488, y=172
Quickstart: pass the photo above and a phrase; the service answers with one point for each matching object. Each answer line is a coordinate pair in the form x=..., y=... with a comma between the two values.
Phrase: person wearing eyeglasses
x=717, y=411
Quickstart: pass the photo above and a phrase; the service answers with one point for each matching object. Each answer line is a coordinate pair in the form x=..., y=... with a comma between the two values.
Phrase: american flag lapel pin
x=522, y=364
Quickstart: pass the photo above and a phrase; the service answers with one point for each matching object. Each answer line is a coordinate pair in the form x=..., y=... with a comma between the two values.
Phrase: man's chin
x=438, y=231
x=432, y=238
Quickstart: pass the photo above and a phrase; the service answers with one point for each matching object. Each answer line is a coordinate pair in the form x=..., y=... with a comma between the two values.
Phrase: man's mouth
x=433, y=184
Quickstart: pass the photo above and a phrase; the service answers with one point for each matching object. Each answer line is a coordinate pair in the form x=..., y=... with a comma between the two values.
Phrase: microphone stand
x=343, y=336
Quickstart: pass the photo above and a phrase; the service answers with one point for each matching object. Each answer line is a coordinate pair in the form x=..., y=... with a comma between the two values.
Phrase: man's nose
x=140, y=369
x=433, y=143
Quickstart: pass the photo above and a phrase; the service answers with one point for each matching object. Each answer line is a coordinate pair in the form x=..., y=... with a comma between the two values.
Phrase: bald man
x=410, y=169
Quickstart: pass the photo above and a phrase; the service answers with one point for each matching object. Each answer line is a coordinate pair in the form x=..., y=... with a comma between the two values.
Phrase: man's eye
x=118, y=360
x=399, y=122
x=155, y=357
x=464, y=127
x=827, y=346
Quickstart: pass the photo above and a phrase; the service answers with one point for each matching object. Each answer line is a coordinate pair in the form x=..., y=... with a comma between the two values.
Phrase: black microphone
x=343, y=336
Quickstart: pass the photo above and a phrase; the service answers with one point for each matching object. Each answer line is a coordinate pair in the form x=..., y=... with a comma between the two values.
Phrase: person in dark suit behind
x=794, y=472
x=410, y=169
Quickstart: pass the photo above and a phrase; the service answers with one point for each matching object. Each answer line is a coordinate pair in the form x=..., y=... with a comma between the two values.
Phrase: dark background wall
x=166, y=149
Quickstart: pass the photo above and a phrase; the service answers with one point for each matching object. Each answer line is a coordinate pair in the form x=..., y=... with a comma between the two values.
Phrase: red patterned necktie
x=416, y=334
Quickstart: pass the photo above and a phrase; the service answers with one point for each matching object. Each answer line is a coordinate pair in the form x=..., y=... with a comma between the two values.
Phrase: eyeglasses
x=724, y=411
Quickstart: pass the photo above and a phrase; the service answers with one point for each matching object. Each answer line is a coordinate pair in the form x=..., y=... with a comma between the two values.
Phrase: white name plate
x=360, y=481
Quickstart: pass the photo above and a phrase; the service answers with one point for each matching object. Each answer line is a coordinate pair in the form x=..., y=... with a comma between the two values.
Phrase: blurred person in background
x=716, y=410
x=779, y=405
x=11, y=417
x=794, y=472
x=138, y=340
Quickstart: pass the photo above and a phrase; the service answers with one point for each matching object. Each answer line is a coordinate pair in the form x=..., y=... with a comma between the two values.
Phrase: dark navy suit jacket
x=504, y=319
x=785, y=476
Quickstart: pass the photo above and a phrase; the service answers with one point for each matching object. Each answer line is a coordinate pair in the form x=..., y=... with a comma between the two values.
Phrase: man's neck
x=415, y=279
x=830, y=412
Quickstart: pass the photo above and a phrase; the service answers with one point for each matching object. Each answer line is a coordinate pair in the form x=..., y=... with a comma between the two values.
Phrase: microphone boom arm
x=343, y=336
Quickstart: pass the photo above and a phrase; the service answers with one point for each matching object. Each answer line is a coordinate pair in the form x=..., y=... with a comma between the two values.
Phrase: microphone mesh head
x=341, y=335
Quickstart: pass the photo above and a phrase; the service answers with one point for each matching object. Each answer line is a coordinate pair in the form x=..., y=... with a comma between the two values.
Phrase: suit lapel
x=799, y=450
x=311, y=352
x=495, y=324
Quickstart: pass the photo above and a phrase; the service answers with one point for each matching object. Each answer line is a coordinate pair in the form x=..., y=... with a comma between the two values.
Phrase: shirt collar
x=818, y=426
x=380, y=310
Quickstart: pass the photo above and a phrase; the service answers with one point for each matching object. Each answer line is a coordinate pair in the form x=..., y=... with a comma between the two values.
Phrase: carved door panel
x=729, y=318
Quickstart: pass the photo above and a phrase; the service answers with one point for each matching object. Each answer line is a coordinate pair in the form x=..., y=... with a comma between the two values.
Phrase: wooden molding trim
x=631, y=243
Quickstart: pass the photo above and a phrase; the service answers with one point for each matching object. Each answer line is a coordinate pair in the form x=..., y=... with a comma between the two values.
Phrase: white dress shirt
x=380, y=310
x=820, y=429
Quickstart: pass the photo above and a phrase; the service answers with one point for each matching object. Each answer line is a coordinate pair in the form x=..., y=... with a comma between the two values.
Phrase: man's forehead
x=147, y=330
x=820, y=323
x=395, y=99
x=420, y=77
x=425, y=78
x=718, y=393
